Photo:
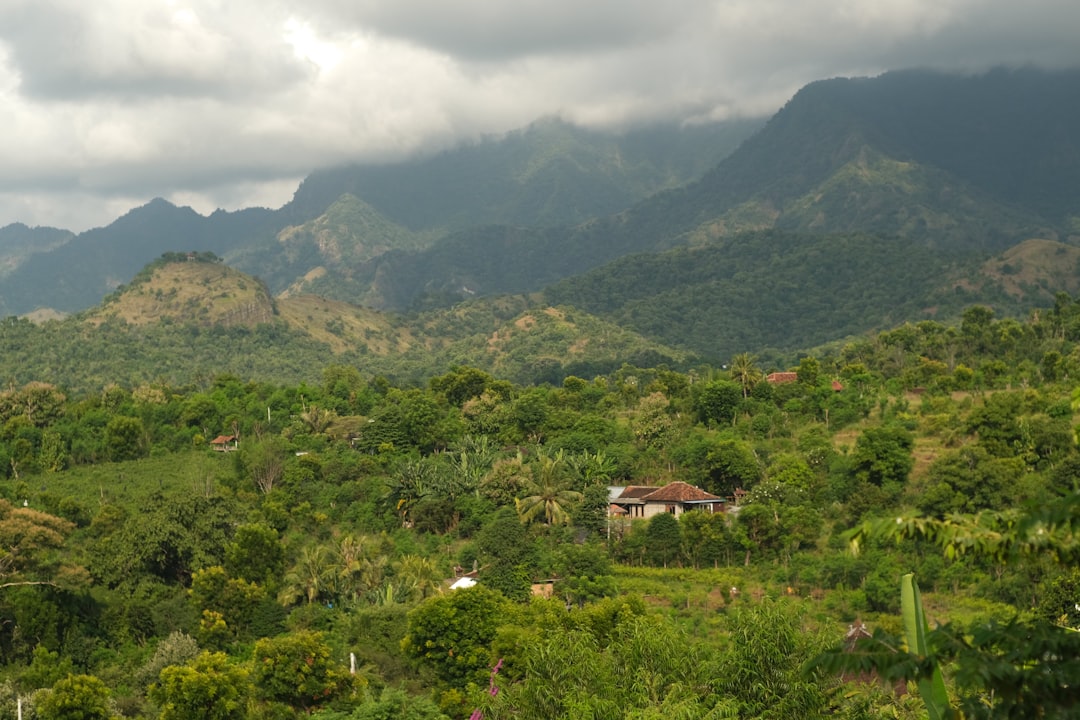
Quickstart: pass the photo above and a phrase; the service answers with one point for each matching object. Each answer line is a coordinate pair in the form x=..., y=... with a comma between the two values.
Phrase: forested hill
x=550, y=172
x=645, y=542
x=840, y=157
x=187, y=317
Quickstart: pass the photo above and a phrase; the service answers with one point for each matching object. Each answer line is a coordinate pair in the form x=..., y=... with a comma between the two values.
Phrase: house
x=225, y=443
x=640, y=501
x=781, y=378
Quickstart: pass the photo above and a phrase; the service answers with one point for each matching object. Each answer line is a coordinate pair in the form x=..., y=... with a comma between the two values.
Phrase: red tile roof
x=680, y=492
x=636, y=491
x=778, y=378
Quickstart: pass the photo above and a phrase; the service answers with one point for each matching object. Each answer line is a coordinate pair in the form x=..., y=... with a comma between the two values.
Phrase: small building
x=225, y=443
x=781, y=378
x=640, y=501
x=465, y=581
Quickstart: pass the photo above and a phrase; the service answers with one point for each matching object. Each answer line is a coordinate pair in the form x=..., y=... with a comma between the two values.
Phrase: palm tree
x=318, y=420
x=414, y=481
x=593, y=468
x=361, y=566
x=417, y=577
x=744, y=369
x=310, y=578
x=548, y=491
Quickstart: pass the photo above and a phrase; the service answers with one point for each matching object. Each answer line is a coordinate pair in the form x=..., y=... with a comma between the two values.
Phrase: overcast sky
x=106, y=104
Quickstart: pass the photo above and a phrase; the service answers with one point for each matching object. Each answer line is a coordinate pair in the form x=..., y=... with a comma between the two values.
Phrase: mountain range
x=863, y=202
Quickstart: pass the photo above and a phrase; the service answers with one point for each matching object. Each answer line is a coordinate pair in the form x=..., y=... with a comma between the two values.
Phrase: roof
x=223, y=440
x=679, y=491
x=778, y=378
x=636, y=491
x=463, y=582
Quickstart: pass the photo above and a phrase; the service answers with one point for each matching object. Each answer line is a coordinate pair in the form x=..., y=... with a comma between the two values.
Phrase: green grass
x=129, y=484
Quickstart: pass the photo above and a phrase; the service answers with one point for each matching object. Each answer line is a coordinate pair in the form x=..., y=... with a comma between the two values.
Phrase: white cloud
x=223, y=102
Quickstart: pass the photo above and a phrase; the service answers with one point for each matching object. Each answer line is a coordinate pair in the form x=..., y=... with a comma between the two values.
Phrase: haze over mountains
x=862, y=203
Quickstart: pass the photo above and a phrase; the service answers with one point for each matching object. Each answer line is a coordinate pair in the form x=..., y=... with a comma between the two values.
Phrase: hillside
x=191, y=290
x=829, y=162
x=549, y=173
x=644, y=540
x=180, y=320
x=77, y=274
x=17, y=242
x=349, y=232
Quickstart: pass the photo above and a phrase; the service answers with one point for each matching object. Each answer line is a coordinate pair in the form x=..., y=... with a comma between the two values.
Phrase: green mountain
x=548, y=173
x=182, y=319
x=838, y=159
x=78, y=273
x=348, y=233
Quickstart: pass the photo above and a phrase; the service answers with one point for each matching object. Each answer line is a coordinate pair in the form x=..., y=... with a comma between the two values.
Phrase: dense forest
x=232, y=548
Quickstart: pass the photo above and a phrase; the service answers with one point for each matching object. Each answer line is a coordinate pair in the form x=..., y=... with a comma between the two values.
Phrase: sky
x=107, y=104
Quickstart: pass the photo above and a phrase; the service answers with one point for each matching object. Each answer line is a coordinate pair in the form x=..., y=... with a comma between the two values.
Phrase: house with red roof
x=643, y=501
x=225, y=443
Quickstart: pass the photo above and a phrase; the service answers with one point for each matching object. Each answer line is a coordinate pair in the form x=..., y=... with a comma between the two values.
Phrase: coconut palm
x=548, y=492
x=417, y=577
x=745, y=371
x=311, y=578
x=361, y=566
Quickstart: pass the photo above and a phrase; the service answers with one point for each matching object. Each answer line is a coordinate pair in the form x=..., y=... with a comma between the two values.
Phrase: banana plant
x=931, y=689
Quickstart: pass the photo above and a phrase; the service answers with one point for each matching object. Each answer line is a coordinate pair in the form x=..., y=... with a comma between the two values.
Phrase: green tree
x=717, y=401
x=417, y=577
x=507, y=555
x=548, y=494
x=178, y=648
x=461, y=384
x=297, y=669
x=208, y=688
x=234, y=599
x=882, y=455
x=76, y=697
x=452, y=633
x=592, y=512
x=763, y=666
x=125, y=438
x=310, y=578
x=263, y=463
x=584, y=573
x=745, y=371
x=1021, y=668
x=663, y=540
x=255, y=553
x=396, y=704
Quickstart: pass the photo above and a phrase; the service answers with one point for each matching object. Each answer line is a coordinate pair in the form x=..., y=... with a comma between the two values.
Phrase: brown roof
x=636, y=491
x=777, y=378
x=223, y=440
x=680, y=492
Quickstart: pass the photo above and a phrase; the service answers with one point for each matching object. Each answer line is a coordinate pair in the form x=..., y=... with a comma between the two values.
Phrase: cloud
x=224, y=102
x=70, y=50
